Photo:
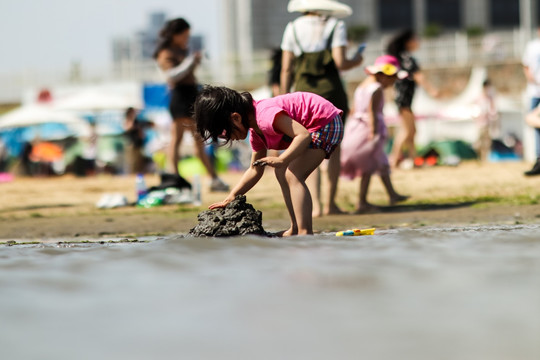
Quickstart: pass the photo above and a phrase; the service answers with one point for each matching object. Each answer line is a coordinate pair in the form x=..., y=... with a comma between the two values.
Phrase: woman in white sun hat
x=314, y=50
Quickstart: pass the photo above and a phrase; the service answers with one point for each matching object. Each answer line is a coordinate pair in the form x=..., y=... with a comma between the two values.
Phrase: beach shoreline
x=63, y=208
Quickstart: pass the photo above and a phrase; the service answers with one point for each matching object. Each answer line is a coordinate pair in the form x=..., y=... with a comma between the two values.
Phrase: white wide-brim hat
x=327, y=7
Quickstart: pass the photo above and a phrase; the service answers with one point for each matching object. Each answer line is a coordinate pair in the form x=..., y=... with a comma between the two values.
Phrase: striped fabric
x=328, y=137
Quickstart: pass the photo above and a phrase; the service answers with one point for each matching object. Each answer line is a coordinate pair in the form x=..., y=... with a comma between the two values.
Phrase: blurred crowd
x=315, y=43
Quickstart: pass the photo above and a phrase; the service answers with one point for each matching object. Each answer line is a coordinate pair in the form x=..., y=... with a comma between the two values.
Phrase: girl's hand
x=198, y=56
x=272, y=161
x=358, y=59
x=436, y=93
x=221, y=205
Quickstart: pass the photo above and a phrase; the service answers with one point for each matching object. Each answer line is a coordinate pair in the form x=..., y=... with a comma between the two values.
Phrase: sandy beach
x=63, y=208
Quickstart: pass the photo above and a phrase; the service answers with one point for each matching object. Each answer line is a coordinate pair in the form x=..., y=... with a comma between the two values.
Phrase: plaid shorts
x=328, y=137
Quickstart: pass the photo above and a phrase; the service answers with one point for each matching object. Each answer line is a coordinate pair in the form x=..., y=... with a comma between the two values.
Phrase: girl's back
x=362, y=151
x=362, y=102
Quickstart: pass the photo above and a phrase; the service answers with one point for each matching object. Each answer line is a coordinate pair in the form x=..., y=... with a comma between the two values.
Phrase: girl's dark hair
x=398, y=43
x=171, y=28
x=213, y=109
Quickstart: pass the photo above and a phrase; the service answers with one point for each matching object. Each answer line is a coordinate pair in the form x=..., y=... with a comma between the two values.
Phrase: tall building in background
x=140, y=46
x=249, y=29
x=379, y=17
x=269, y=21
x=132, y=56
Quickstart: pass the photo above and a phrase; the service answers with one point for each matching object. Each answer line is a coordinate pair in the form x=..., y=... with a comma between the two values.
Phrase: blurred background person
x=401, y=46
x=362, y=149
x=134, y=132
x=173, y=57
x=274, y=81
x=531, y=68
x=3, y=156
x=26, y=163
x=486, y=120
x=274, y=75
x=86, y=163
x=314, y=50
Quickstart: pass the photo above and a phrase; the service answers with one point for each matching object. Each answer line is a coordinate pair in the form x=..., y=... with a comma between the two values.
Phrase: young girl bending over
x=305, y=125
x=362, y=150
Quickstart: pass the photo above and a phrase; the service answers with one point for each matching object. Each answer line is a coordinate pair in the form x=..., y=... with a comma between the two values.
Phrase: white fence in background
x=457, y=50
x=446, y=50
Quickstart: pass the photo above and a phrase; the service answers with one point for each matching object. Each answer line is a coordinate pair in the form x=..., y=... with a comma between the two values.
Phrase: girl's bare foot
x=286, y=233
x=316, y=211
x=367, y=208
x=397, y=198
x=333, y=210
x=394, y=162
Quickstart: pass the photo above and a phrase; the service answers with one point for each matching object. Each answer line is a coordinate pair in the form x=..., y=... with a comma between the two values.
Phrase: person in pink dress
x=306, y=126
x=362, y=149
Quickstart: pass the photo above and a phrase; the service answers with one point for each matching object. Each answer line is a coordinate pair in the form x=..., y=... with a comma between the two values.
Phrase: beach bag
x=316, y=72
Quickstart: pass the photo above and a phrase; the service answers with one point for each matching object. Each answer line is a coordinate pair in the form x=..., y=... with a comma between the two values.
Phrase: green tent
x=448, y=148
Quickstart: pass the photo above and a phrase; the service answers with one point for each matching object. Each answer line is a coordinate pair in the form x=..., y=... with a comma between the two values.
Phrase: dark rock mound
x=237, y=218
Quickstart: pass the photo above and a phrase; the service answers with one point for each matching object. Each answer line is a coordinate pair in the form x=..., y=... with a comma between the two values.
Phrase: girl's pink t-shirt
x=310, y=110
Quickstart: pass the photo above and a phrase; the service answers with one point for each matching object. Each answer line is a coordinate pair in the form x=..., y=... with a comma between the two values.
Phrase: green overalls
x=316, y=72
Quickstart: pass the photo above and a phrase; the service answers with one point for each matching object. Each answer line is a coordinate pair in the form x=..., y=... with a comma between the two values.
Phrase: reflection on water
x=462, y=293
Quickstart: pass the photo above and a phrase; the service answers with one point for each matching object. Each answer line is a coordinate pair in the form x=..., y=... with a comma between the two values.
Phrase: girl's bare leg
x=334, y=168
x=392, y=194
x=178, y=127
x=405, y=137
x=314, y=184
x=200, y=153
x=286, y=191
x=300, y=199
x=363, y=205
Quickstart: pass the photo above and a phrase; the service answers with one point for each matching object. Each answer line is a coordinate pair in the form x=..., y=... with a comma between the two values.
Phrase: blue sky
x=50, y=34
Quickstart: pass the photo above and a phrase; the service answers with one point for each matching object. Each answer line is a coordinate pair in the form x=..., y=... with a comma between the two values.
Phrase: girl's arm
x=421, y=80
x=533, y=117
x=529, y=74
x=286, y=76
x=300, y=141
x=340, y=58
x=376, y=100
x=174, y=74
x=248, y=180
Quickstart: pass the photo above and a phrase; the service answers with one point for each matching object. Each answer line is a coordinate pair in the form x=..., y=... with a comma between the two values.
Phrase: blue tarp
x=156, y=96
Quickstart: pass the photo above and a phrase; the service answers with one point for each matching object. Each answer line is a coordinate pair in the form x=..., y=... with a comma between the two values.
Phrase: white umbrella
x=95, y=100
x=32, y=115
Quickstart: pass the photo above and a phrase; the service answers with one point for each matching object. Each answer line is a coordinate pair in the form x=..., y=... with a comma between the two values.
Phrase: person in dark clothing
x=275, y=72
x=402, y=46
x=178, y=64
x=134, y=132
x=26, y=162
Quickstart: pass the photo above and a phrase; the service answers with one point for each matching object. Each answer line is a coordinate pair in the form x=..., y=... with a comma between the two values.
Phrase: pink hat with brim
x=387, y=65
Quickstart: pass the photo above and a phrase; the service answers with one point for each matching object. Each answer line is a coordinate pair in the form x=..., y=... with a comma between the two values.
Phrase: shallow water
x=452, y=293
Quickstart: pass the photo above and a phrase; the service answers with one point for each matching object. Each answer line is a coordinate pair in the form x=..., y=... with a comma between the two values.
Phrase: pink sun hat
x=388, y=65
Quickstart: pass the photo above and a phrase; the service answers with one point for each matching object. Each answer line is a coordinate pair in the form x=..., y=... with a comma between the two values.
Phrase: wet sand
x=63, y=208
x=450, y=274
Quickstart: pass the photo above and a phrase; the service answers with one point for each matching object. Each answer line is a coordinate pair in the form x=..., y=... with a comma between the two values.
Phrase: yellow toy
x=356, y=232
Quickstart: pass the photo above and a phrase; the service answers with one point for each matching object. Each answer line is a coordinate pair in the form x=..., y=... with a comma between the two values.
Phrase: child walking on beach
x=305, y=125
x=362, y=149
x=486, y=120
